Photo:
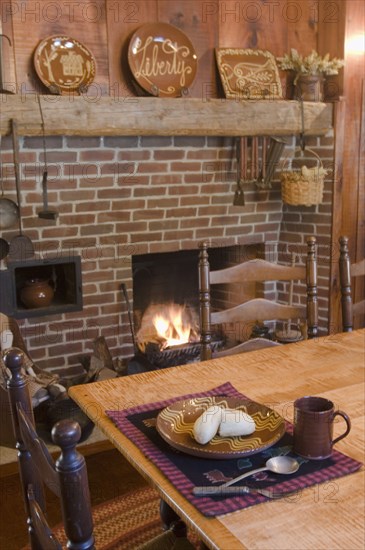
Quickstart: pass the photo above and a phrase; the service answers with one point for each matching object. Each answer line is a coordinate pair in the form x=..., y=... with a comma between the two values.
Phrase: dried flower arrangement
x=312, y=64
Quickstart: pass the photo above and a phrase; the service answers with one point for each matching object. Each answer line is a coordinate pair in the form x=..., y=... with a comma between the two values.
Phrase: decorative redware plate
x=162, y=60
x=248, y=74
x=175, y=425
x=64, y=64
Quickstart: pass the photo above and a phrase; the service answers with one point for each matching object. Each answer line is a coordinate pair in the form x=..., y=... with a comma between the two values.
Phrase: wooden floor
x=109, y=476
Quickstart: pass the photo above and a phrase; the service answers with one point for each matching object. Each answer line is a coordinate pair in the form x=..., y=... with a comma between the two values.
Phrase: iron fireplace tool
x=21, y=247
x=45, y=214
x=129, y=311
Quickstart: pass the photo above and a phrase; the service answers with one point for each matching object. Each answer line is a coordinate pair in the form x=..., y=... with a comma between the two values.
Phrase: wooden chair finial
x=66, y=433
x=14, y=359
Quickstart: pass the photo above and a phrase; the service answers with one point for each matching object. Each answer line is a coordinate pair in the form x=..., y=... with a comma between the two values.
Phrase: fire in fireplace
x=167, y=325
x=168, y=336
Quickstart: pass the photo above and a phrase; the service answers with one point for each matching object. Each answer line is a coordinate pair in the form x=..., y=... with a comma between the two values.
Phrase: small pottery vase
x=36, y=293
x=309, y=87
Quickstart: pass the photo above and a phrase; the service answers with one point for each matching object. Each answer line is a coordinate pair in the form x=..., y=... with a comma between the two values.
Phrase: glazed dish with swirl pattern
x=175, y=424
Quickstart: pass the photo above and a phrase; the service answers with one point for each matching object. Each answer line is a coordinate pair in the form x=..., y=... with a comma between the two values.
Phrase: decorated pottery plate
x=64, y=64
x=175, y=425
x=162, y=60
x=248, y=74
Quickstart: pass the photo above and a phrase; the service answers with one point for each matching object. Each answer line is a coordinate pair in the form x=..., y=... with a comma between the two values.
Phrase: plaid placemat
x=186, y=471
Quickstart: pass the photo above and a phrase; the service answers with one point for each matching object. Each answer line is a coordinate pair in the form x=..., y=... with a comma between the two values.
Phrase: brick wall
x=298, y=222
x=118, y=196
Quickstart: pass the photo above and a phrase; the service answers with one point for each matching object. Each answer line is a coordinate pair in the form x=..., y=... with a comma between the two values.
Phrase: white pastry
x=235, y=423
x=206, y=426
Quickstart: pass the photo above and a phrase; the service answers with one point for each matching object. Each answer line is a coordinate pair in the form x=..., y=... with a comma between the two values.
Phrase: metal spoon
x=276, y=464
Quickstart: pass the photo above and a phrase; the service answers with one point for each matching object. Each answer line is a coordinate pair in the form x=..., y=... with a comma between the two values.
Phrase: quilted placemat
x=186, y=471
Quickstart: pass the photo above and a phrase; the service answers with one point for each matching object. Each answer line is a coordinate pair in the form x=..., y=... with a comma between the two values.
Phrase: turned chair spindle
x=350, y=308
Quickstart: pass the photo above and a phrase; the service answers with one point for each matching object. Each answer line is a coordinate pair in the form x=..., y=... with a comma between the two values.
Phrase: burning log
x=169, y=336
x=165, y=326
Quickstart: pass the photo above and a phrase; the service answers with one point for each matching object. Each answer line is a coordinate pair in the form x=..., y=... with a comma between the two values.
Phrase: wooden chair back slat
x=250, y=345
x=257, y=270
x=358, y=308
x=258, y=309
x=45, y=536
x=358, y=269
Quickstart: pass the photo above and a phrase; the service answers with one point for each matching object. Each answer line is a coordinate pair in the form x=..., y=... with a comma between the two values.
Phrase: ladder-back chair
x=349, y=307
x=66, y=478
x=257, y=309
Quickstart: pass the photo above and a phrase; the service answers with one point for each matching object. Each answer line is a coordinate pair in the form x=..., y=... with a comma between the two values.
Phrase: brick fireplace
x=122, y=197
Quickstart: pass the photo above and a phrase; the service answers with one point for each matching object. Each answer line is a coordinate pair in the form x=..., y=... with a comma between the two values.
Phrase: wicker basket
x=303, y=186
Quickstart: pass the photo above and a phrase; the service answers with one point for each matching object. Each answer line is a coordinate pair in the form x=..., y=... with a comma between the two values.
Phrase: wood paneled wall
x=349, y=184
x=105, y=27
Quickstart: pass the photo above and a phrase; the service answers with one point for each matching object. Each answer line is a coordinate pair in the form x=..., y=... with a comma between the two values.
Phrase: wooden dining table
x=327, y=515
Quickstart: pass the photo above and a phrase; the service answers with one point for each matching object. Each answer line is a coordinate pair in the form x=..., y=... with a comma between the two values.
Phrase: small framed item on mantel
x=248, y=74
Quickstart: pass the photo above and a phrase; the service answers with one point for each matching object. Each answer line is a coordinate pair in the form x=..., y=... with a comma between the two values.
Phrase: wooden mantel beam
x=142, y=116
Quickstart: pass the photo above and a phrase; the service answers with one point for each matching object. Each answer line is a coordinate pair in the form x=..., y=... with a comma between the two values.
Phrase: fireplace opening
x=166, y=304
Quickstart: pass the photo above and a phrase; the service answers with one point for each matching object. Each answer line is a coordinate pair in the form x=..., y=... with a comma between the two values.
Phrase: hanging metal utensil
x=244, y=157
x=254, y=158
x=21, y=247
x=9, y=212
x=2, y=89
x=45, y=213
x=239, y=198
x=263, y=157
x=276, y=148
x=261, y=177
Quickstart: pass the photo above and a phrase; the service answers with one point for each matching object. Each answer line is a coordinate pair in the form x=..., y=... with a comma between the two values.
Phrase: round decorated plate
x=175, y=425
x=64, y=64
x=162, y=59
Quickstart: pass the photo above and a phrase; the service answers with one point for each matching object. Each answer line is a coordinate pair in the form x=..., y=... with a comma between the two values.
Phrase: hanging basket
x=302, y=185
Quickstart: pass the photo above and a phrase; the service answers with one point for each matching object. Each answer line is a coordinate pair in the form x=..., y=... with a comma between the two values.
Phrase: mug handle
x=347, y=420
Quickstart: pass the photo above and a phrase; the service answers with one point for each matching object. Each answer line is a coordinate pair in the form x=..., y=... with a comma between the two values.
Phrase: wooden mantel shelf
x=142, y=116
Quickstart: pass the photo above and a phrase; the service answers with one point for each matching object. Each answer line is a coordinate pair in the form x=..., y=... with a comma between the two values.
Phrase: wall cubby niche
x=64, y=275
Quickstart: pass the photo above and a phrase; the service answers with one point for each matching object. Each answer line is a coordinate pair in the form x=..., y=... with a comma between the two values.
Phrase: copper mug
x=313, y=427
